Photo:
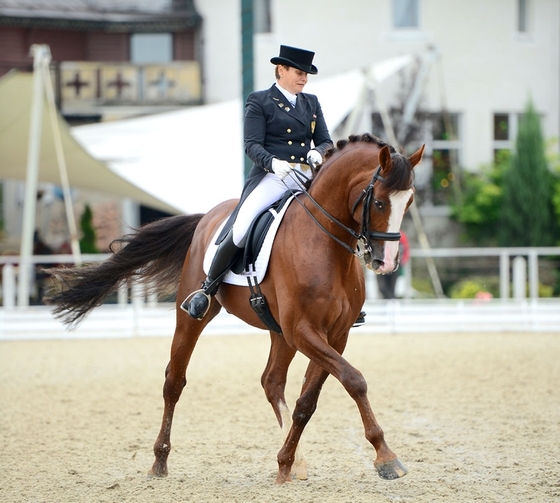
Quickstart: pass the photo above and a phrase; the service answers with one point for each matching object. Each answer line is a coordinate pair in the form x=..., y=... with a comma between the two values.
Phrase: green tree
x=87, y=242
x=554, y=161
x=479, y=212
x=526, y=214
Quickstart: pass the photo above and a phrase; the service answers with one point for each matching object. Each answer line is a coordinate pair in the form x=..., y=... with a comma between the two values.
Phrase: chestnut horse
x=314, y=286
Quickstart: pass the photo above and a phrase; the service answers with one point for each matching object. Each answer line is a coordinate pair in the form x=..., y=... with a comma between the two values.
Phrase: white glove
x=281, y=168
x=314, y=158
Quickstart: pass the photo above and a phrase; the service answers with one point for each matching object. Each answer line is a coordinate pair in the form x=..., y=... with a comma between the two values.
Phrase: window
x=262, y=22
x=501, y=127
x=523, y=16
x=445, y=126
x=437, y=175
x=151, y=48
x=505, y=131
x=405, y=14
x=446, y=153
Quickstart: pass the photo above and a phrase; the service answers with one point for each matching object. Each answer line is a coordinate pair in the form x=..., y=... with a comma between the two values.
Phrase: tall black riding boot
x=198, y=302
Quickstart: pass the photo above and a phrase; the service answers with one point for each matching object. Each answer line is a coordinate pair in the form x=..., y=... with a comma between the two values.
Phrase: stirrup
x=185, y=304
x=361, y=319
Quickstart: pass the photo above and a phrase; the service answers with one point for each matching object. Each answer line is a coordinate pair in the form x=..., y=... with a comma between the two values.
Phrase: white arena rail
x=139, y=317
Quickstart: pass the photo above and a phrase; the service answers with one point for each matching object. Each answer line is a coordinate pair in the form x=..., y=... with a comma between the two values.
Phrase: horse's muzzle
x=375, y=264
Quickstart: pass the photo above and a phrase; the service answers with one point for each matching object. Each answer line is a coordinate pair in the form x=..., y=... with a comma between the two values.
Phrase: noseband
x=366, y=236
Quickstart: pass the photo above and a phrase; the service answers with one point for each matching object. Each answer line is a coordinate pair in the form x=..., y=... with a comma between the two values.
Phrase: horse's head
x=383, y=205
x=377, y=184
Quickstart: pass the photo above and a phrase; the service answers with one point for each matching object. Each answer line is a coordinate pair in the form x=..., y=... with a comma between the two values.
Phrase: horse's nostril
x=376, y=264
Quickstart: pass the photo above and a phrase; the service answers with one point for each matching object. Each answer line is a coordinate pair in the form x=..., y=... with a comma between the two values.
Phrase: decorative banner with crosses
x=84, y=83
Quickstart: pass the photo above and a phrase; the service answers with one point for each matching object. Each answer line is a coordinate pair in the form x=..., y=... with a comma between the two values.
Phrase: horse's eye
x=378, y=204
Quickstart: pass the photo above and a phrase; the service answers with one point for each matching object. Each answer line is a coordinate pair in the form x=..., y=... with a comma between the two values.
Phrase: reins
x=367, y=197
x=300, y=178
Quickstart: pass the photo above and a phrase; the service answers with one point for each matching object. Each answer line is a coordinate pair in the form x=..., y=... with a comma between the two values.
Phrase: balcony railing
x=86, y=85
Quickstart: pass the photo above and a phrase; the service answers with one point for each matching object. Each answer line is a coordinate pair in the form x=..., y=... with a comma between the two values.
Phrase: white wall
x=485, y=66
x=221, y=49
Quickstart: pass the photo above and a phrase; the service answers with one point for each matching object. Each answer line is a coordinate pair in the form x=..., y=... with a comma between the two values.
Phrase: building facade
x=109, y=59
x=483, y=61
x=491, y=58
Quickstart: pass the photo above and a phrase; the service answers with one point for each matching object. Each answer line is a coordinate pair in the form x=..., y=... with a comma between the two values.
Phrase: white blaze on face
x=398, y=200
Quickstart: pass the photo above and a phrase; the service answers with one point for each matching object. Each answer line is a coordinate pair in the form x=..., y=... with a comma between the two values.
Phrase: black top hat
x=298, y=58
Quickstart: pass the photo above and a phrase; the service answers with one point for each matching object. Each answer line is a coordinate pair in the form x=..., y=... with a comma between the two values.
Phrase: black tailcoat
x=273, y=128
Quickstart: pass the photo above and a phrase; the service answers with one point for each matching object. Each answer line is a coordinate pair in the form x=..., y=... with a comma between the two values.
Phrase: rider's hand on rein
x=281, y=168
x=314, y=158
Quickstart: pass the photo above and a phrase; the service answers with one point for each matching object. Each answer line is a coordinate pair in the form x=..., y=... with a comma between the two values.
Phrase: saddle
x=250, y=268
x=257, y=233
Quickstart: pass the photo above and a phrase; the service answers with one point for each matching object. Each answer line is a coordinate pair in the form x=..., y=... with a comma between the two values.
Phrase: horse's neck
x=331, y=215
x=332, y=193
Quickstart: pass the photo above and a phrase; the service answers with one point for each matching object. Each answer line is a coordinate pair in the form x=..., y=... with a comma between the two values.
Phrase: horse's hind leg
x=304, y=409
x=186, y=336
x=273, y=381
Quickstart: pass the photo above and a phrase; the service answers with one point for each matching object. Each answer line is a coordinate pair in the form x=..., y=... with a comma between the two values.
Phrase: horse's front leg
x=317, y=349
x=273, y=381
x=186, y=336
x=304, y=409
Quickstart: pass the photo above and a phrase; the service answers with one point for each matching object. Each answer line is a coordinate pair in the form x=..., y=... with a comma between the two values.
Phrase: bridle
x=366, y=236
x=367, y=198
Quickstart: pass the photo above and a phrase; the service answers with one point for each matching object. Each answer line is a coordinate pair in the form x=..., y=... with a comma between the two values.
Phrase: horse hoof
x=156, y=473
x=283, y=477
x=391, y=470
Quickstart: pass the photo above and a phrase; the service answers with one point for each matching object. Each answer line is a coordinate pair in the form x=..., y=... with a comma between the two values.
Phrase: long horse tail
x=152, y=256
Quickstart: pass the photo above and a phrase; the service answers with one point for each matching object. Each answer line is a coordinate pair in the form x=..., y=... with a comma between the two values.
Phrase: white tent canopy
x=193, y=159
x=85, y=171
x=182, y=161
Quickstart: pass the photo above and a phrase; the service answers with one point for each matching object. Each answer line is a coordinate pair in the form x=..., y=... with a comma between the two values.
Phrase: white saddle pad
x=261, y=263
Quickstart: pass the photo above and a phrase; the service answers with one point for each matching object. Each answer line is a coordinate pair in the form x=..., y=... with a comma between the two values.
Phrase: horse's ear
x=385, y=158
x=417, y=156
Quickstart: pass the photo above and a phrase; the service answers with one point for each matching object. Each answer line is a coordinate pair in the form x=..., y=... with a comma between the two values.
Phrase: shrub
x=87, y=243
x=469, y=288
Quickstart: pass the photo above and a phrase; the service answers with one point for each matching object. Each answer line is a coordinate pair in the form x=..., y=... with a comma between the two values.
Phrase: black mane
x=400, y=177
x=354, y=138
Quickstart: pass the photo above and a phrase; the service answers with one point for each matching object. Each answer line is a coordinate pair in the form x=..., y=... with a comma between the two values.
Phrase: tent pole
x=410, y=109
x=418, y=225
x=41, y=56
x=247, y=54
x=70, y=217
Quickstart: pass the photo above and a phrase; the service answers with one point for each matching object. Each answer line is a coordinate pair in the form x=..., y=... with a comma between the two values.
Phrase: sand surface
x=474, y=417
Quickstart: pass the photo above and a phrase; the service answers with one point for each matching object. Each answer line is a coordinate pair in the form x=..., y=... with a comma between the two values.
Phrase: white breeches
x=269, y=190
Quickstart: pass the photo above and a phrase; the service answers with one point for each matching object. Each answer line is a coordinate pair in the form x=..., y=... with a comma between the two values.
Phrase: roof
x=104, y=15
